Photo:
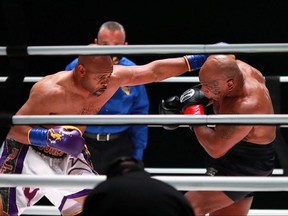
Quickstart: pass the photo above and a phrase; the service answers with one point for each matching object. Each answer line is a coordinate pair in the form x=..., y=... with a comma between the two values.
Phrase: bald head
x=87, y=60
x=98, y=64
x=220, y=66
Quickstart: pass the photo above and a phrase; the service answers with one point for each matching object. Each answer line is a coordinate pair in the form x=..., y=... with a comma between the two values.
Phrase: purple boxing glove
x=64, y=138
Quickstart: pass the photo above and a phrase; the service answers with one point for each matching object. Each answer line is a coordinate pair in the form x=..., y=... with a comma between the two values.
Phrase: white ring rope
x=27, y=79
x=180, y=79
x=182, y=183
x=103, y=120
x=189, y=79
x=248, y=119
x=153, y=49
x=189, y=171
x=52, y=210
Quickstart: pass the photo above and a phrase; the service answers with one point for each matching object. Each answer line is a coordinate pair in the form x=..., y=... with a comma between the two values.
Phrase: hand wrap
x=64, y=138
x=194, y=62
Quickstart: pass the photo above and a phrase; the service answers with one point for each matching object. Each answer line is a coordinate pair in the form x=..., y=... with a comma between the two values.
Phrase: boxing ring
x=181, y=179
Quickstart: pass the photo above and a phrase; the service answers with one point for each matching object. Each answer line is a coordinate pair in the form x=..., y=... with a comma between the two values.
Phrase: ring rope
x=148, y=49
x=52, y=210
x=247, y=119
x=189, y=171
x=182, y=183
x=180, y=79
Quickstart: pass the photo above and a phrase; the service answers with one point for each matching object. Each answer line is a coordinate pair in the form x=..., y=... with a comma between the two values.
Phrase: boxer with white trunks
x=28, y=159
x=58, y=150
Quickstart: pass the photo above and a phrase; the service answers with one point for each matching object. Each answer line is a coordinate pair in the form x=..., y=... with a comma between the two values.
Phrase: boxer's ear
x=230, y=84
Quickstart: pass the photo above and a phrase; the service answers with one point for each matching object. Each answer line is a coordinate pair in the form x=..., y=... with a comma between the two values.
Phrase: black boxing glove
x=193, y=101
x=170, y=106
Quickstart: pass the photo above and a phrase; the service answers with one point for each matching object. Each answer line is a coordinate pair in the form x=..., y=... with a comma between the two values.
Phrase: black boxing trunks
x=244, y=159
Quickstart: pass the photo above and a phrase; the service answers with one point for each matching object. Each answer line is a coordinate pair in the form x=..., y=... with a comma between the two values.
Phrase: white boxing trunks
x=17, y=158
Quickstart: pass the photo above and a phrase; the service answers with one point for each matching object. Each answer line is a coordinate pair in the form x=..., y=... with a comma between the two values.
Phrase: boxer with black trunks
x=232, y=87
x=258, y=160
x=60, y=150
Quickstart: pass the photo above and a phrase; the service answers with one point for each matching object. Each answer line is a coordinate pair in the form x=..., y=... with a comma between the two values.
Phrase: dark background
x=75, y=22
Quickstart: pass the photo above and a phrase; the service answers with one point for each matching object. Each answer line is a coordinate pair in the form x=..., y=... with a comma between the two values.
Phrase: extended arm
x=158, y=70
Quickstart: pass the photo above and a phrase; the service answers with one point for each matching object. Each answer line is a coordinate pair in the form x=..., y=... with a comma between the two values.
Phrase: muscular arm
x=218, y=141
x=151, y=72
x=38, y=103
